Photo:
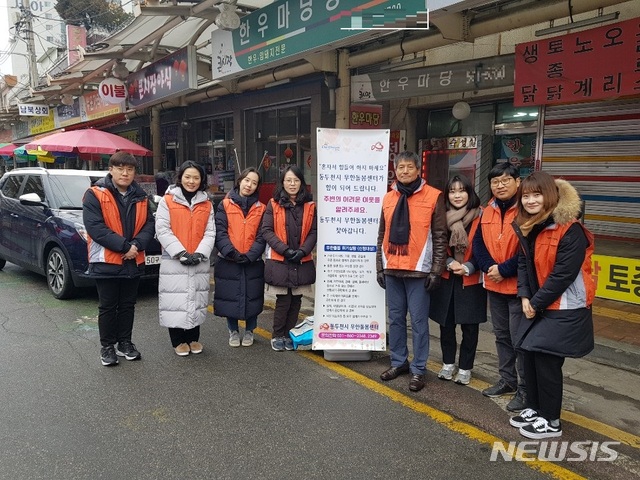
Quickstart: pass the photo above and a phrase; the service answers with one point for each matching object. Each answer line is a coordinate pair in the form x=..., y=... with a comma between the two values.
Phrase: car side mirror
x=32, y=199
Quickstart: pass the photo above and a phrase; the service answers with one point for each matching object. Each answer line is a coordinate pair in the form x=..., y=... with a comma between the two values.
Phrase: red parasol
x=87, y=140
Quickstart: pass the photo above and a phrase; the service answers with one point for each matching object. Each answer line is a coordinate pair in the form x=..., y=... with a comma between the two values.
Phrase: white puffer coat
x=183, y=291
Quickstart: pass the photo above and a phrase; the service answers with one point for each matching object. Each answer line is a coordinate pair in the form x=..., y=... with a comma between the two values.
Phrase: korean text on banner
x=352, y=179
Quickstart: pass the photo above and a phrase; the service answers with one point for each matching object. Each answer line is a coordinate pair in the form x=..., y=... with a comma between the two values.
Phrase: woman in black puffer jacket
x=290, y=230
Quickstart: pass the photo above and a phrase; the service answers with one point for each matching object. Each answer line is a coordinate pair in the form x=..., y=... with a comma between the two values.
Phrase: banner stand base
x=347, y=355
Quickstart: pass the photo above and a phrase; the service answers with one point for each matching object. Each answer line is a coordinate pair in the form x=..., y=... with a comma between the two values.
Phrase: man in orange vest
x=119, y=228
x=495, y=247
x=411, y=253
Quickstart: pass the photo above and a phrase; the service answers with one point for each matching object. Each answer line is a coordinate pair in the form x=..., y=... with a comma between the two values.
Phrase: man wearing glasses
x=495, y=247
x=119, y=227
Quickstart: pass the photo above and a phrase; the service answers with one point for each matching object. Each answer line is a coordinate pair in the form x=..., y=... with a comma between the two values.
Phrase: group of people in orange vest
x=440, y=255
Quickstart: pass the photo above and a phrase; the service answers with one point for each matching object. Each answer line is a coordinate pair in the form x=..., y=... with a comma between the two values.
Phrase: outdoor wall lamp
x=461, y=110
x=66, y=99
x=120, y=70
x=227, y=19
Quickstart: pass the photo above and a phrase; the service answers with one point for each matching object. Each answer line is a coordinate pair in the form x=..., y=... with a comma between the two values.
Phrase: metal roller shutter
x=596, y=146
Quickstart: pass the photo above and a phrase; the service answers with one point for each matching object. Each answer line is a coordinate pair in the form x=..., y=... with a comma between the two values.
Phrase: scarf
x=541, y=217
x=400, y=226
x=457, y=223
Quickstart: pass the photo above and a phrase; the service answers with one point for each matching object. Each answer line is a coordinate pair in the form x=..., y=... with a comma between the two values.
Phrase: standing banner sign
x=352, y=179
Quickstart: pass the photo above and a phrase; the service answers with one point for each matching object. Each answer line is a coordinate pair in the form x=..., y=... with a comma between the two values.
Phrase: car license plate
x=152, y=260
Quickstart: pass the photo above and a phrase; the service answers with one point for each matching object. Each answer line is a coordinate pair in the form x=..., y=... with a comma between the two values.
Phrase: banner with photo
x=352, y=179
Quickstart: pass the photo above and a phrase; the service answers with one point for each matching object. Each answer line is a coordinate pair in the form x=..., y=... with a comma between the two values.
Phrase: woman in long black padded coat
x=239, y=271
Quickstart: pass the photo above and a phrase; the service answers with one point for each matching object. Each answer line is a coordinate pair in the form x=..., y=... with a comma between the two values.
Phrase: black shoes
x=416, y=383
x=499, y=389
x=518, y=402
x=128, y=350
x=108, y=356
x=394, y=372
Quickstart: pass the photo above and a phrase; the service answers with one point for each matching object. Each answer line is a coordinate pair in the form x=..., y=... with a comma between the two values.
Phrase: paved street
x=231, y=413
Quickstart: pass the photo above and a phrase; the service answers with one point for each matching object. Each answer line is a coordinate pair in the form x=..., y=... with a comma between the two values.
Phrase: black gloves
x=242, y=259
x=297, y=256
x=190, y=258
x=432, y=282
x=289, y=253
x=233, y=256
x=381, y=280
x=196, y=258
x=185, y=258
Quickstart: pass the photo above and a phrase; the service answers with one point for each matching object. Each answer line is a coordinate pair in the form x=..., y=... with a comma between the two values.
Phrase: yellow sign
x=617, y=278
x=132, y=135
x=42, y=124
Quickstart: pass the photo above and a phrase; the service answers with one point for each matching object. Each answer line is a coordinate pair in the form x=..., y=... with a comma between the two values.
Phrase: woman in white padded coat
x=185, y=228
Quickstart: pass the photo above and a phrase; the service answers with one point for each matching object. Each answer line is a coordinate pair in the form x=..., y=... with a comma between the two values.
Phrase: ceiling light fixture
x=580, y=23
x=66, y=99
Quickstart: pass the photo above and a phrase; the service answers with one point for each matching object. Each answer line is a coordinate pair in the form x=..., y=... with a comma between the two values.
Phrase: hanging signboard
x=478, y=74
x=112, y=90
x=352, y=179
x=66, y=115
x=591, y=65
x=33, y=110
x=41, y=124
x=284, y=31
x=171, y=76
x=93, y=107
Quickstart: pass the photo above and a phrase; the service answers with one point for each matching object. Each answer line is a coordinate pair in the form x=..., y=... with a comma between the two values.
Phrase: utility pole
x=26, y=20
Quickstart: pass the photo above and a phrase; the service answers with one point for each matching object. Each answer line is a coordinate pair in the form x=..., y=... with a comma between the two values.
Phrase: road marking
x=479, y=385
x=469, y=431
x=617, y=314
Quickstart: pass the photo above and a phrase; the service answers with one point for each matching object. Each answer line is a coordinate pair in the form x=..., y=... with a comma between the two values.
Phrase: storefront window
x=215, y=152
x=279, y=137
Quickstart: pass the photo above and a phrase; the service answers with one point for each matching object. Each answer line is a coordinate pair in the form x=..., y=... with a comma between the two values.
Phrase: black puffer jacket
x=565, y=332
x=239, y=289
x=99, y=232
x=287, y=274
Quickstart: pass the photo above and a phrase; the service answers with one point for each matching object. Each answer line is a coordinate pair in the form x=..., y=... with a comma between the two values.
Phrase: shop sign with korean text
x=595, y=64
x=66, y=115
x=352, y=180
x=169, y=77
x=617, y=278
x=42, y=124
x=287, y=29
x=365, y=116
x=478, y=74
x=93, y=107
x=112, y=90
x=33, y=110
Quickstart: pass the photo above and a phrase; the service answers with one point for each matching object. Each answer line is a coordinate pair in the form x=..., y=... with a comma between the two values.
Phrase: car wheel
x=59, y=275
x=2, y=263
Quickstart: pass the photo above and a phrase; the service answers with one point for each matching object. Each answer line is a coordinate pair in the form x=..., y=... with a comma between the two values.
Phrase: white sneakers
x=447, y=371
x=234, y=338
x=462, y=377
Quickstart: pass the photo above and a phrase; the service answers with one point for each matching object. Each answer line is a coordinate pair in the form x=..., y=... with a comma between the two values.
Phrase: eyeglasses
x=293, y=181
x=501, y=181
x=128, y=169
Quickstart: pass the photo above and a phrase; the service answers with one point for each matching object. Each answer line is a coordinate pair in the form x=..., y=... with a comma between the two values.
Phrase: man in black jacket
x=119, y=226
